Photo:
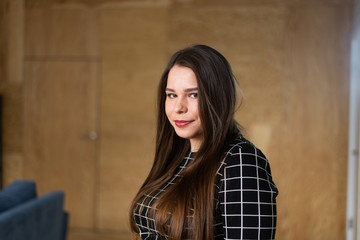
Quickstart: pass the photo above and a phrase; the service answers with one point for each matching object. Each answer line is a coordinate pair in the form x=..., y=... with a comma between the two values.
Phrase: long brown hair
x=190, y=199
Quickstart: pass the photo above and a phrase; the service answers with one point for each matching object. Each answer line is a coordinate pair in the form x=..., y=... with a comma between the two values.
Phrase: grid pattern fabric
x=245, y=205
x=246, y=198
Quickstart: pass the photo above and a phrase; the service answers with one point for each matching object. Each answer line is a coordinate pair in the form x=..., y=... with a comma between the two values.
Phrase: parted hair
x=190, y=201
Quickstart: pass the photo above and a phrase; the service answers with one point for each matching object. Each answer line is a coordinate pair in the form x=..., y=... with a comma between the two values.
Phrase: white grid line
x=241, y=194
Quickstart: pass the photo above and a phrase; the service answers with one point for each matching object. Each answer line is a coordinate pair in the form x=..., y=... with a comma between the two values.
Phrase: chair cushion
x=16, y=193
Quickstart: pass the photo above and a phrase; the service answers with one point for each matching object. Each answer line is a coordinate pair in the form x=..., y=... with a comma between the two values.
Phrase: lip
x=182, y=123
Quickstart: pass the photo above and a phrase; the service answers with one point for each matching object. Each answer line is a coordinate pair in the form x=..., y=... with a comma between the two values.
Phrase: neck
x=195, y=144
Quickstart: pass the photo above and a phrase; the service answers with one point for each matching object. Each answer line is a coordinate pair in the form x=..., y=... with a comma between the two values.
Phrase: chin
x=185, y=136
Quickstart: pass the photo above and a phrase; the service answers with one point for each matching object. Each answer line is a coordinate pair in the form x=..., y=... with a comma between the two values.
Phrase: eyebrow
x=186, y=90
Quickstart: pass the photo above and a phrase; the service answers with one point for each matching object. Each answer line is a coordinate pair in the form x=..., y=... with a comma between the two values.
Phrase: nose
x=180, y=105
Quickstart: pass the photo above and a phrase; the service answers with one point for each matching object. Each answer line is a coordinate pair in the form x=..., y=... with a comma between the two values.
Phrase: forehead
x=180, y=77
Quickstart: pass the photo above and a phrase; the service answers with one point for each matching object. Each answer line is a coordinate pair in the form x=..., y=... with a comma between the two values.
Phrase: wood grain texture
x=11, y=80
x=13, y=163
x=15, y=41
x=132, y=49
x=316, y=120
x=12, y=115
x=59, y=112
x=4, y=33
x=192, y=3
x=61, y=32
x=61, y=101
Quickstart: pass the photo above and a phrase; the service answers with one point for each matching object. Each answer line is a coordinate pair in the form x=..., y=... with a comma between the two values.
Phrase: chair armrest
x=38, y=219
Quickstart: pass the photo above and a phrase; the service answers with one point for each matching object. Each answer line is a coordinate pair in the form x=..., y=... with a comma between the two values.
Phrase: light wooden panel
x=228, y=3
x=97, y=3
x=61, y=32
x=4, y=21
x=12, y=117
x=11, y=74
x=12, y=164
x=132, y=44
x=59, y=113
x=12, y=130
x=61, y=50
x=15, y=41
x=314, y=157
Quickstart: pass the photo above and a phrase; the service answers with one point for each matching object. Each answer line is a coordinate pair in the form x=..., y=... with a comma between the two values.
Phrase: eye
x=193, y=95
x=171, y=95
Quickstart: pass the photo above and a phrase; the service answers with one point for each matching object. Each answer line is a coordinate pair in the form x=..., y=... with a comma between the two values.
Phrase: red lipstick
x=180, y=123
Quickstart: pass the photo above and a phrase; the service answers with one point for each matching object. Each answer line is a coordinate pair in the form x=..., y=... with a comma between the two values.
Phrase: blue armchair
x=24, y=216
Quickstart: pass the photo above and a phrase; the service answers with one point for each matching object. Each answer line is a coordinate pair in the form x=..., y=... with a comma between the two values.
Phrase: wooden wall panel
x=132, y=44
x=230, y=3
x=60, y=95
x=12, y=167
x=61, y=32
x=12, y=117
x=4, y=23
x=192, y=3
x=15, y=41
x=11, y=79
x=316, y=119
x=12, y=130
x=59, y=113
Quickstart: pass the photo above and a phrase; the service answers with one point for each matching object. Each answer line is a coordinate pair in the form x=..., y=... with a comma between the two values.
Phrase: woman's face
x=181, y=105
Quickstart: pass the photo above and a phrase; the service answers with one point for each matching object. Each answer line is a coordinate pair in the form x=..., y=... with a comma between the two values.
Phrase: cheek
x=195, y=110
x=196, y=114
x=167, y=109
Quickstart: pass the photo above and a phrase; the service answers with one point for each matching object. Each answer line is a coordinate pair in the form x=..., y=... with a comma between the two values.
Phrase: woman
x=207, y=181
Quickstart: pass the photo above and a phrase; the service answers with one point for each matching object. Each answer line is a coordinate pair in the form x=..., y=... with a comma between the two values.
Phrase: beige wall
x=290, y=57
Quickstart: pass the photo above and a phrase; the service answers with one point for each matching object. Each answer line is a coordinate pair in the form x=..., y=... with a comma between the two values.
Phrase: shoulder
x=243, y=152
x=245, y=165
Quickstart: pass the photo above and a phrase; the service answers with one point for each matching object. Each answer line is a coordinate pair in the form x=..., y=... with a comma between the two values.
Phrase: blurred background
x=78, y=82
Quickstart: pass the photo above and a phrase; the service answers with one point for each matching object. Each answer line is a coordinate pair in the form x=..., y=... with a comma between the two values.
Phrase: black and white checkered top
x=245, y=205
